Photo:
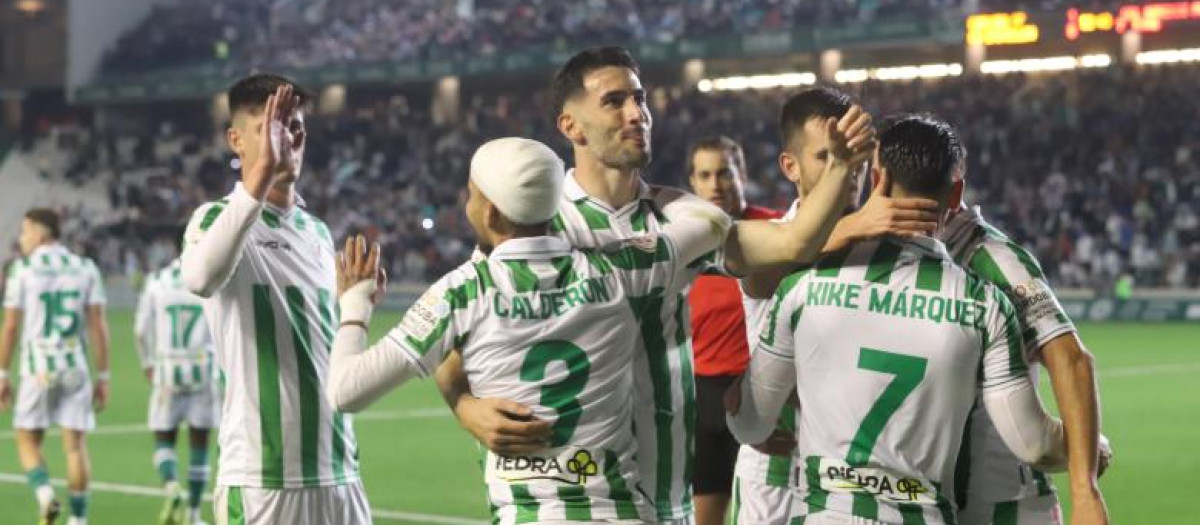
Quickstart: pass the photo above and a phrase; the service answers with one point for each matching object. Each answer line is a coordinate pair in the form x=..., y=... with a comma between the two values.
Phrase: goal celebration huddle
x=622, y=352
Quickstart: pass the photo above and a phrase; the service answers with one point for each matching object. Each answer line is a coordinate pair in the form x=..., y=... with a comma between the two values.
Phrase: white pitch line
x=156, y=492
x=388, y=415
x=1149, y=370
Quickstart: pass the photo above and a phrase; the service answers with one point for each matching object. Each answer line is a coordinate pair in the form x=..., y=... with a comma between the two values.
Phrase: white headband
x=522, y=177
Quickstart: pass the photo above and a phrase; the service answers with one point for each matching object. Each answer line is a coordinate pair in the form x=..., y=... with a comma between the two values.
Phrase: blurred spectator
x=1092, y=170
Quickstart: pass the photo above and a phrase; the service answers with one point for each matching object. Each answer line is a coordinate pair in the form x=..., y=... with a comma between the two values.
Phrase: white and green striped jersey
x=52, y=288
x=890, y=341
x=664, y=386
x=773, y=471
x=272, y=323
x=553, y=328
x=173, y=338
x=994, y=473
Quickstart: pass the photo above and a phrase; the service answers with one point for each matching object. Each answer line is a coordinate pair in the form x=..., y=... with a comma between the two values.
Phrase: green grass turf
x=416, y=460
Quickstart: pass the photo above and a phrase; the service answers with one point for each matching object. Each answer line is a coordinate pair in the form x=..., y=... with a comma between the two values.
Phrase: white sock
x=77, y=521
x=172, y=487
x=194, y=515
x=45, y=494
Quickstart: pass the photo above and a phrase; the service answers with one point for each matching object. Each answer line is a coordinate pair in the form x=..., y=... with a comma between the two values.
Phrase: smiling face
x=610, y=118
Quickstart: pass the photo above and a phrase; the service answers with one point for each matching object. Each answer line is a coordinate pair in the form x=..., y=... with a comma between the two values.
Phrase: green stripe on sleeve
x=1031, y=266
x=309, y=386
x=618, y=491
x=929, y=274
x=210, y=217
x=269, y=408
x=985, y=266
x=1012, y=335
x=527, y=506
x=883, y=262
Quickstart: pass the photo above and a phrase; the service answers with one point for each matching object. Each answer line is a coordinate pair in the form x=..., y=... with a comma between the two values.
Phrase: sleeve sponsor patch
x=1034, y=301
x=425, y=314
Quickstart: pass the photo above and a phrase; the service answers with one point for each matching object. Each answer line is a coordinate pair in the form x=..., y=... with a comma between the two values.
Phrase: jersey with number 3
x=555, y=329
x=170, y=323
x=53, y=288
x=273, y=328
x=890, y=341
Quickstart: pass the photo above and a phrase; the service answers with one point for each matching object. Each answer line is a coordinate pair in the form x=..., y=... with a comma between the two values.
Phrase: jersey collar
x=300, y=202
x=544, y=247
x=575, y=193
x=929, y=245
x=53, y=248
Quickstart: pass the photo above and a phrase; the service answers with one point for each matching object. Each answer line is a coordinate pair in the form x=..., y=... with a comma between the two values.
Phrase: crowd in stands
x=1097, y=172
x=307, y=33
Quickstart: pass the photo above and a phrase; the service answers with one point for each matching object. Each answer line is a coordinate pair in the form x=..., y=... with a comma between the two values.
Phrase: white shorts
x=690, y=520
x=66, y=404
x=332, y=505
x=170, y=408
x=1041, y=510
x=756, y=503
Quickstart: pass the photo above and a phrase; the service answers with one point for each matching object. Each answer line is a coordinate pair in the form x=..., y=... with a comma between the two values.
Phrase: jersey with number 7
x=889, y=343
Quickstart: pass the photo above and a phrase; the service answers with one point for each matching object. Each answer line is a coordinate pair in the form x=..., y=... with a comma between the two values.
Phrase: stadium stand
x=1096, y=171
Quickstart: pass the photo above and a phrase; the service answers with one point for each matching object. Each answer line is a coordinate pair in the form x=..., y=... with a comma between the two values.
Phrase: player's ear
x=789, y=166
x=233, y=137
x=569, y=127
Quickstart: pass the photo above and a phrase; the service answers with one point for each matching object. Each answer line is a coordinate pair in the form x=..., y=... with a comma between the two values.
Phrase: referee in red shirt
x=717, y=173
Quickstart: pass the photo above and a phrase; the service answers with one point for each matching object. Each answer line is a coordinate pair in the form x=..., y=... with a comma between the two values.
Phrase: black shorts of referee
x=716, y=448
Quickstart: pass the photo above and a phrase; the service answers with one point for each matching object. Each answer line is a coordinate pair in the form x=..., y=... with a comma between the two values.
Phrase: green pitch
x=420, y=467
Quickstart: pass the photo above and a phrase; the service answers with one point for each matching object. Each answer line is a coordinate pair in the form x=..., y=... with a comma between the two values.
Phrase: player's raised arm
x=762, y=245
x=216, y=233
x=358, y=376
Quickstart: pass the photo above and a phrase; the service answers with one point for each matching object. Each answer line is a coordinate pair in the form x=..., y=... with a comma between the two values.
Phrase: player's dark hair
x=568, y=81
x=250, y=94
x=720, y=143
x=819, y=102
x=48, y=218
x=920, y=153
